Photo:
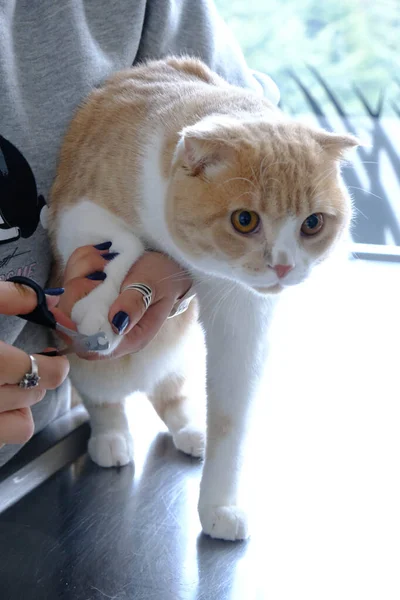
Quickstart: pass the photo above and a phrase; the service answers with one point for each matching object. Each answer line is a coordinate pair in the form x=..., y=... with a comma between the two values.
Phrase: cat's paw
x=112, y=449
x=91, y=316
x=224, y=522
x=190, y=440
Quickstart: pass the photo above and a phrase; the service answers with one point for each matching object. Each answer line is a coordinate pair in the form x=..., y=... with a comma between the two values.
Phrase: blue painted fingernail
x=121, y=321
x=54, y=291
x=103, y=246
x=110, y=255
x=97, y=276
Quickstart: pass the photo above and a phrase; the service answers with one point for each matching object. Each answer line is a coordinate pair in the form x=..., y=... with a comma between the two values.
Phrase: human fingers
x=87, y=260
x=145, y=330
x=162, y=275
x=15, y=363
x=16, y=426
x=17, y=299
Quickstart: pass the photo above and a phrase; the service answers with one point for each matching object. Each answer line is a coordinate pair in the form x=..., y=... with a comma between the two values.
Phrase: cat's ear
x=334, y=144
x=203, y=152
x=206, y=157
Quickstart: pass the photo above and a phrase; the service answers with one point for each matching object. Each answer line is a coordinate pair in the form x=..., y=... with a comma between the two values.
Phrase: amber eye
x=313, y=224
x=245, y=221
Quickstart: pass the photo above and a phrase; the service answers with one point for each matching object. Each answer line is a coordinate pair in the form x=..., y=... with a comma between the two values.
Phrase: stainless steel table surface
x=322, y=477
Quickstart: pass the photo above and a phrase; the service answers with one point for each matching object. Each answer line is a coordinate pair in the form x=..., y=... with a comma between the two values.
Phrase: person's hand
x=138, y=327
x=16, y=422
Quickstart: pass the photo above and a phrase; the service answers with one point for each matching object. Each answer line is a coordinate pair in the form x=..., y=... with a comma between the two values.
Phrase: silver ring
x=144, y=289
x=31, y=379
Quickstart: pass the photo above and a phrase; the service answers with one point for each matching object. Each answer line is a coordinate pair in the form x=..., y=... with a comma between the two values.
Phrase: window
x=338, y=63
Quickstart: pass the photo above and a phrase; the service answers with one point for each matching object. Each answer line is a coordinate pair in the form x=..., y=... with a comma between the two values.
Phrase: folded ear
x=334, y=144
x=205, y=157
x=205, y=148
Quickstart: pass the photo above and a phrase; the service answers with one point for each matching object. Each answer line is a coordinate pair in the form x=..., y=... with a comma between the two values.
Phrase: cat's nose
x=282, y=270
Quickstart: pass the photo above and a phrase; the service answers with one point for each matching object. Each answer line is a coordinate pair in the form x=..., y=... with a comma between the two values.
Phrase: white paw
x=112, y=449
x=190, y=441
x=91, y=316
x=224, y=522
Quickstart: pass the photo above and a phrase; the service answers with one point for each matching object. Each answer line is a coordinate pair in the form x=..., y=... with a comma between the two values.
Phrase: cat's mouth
x=273, y=289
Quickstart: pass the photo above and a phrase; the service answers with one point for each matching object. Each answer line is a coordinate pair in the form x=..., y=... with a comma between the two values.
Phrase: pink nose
x=282, y=270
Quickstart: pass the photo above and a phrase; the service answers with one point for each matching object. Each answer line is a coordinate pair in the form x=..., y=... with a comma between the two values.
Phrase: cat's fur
x=160, y=157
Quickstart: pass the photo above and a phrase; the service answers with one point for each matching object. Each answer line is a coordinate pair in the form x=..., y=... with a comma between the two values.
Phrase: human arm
x=196, y=29
x=16, y=422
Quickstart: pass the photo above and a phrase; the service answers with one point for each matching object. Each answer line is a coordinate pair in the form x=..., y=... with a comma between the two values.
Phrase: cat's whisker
x=245, y=194
x=253, y=173
x=238, y=179
x=325, y=175
x=215, y=310
x=233, y=303
x=354, y=187
x=179, y=274
x=220, y=302
x=205, y=307
x=261, y=172
x=358, y=210
x=265, y=168
x=271, y=179
x=205, y=278
x=214, y=299
x=176, y=280
x=365, y=162
x=206, y=296
x=270, y=165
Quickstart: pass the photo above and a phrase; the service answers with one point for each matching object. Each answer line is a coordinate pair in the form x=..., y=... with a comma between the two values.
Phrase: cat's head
x=258, y=202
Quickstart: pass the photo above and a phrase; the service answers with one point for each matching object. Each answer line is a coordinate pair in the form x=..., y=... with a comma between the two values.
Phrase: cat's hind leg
x=176, y=406
x=180, y=397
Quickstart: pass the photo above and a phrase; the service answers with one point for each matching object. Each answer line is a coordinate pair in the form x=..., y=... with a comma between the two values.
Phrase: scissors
x=41, y=315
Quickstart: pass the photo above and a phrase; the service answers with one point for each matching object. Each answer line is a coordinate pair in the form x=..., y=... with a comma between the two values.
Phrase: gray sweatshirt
x=51, y=55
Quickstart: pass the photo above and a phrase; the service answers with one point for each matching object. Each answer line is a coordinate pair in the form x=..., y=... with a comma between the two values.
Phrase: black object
x=20, y=205
x=41, y=314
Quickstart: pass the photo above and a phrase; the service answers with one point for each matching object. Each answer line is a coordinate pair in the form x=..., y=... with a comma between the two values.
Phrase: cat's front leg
x=87, y=223
x=236, y=325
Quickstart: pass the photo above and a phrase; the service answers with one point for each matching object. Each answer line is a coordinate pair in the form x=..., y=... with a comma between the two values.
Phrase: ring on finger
x=144, y=289
x=31, y=378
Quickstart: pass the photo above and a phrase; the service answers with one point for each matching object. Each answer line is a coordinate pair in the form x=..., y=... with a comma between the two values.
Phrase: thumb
x=127, y=311
x=147, y=328
x=16, y=299
x=19, y=299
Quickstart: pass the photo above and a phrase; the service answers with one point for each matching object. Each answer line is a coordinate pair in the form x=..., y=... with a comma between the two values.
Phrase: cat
x=169, y=156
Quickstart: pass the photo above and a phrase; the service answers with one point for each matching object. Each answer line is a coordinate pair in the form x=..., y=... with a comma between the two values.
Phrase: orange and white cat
x=169, y=156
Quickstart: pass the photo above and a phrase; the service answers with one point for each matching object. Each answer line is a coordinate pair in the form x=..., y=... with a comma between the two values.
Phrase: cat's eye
x=313, y=224
x=245, y=221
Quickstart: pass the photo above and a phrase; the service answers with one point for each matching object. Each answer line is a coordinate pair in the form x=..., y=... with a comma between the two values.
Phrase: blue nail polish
x=97, y=276
x=110, y=255
x=121, y=321
x=103, y=246
x=54, y=291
